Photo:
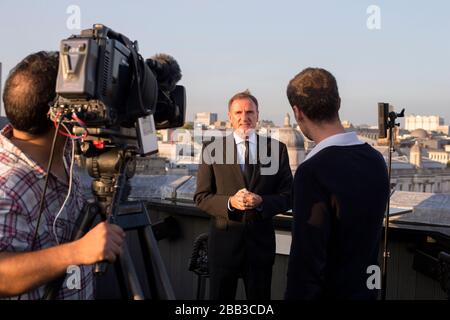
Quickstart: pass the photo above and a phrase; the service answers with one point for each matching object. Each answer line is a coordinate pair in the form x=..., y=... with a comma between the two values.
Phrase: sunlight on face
x=243, y=115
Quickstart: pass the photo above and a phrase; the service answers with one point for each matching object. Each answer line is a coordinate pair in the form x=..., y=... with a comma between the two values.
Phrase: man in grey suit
x=243, y=180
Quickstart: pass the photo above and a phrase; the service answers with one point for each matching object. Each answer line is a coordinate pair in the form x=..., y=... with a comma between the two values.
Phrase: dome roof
x=291, y=137
x=419, y=133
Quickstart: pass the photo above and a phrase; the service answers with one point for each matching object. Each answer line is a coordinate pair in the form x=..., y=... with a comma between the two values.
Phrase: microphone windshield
x=166, y=69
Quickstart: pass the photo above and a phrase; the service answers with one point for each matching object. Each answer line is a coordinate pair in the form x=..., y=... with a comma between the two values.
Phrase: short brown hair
x=315, y=92
x=243, y=95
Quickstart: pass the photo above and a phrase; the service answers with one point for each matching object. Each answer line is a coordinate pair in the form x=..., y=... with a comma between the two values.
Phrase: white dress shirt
x=240, y=146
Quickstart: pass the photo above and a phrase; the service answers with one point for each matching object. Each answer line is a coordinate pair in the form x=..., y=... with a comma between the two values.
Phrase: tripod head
x=392, y=117
x=111, y=169
x=108, y=168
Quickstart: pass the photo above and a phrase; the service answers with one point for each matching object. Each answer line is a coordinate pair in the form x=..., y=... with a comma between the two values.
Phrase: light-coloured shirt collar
x=340, y=139
x=251, y=138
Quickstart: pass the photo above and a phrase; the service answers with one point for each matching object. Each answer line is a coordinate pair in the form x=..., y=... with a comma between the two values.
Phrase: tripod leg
x=90, y=212
x=149, y=270
x=121, y=280
x=201, y=288
x=129, y=272
x=158, y=265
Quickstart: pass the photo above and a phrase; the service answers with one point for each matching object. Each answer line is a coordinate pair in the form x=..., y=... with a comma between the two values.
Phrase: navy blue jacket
x=339, y=200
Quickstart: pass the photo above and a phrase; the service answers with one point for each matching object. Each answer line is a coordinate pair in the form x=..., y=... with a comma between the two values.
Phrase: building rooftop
x=414, y=217
x=291, y=137
x=424, y=208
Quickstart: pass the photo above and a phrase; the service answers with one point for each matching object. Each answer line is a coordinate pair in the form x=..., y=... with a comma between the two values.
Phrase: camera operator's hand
x=103, y=242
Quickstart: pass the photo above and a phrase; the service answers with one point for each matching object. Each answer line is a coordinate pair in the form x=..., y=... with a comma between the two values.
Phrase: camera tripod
x=111, y=171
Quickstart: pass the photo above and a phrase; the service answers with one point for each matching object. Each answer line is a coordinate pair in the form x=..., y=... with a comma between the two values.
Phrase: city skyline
x=224, y=48
x=403, y=121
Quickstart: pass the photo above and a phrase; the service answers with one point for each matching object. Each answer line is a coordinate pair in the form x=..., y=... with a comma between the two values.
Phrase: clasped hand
x=245, y=200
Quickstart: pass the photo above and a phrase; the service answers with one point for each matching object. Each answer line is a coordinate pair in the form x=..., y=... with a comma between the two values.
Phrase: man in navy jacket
x=339, y=198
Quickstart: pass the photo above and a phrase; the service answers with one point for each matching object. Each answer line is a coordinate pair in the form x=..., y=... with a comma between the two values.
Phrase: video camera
x=111, y=97
x=113, y=101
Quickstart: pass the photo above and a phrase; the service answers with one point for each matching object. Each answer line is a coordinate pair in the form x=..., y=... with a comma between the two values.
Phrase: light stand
x=390, y=125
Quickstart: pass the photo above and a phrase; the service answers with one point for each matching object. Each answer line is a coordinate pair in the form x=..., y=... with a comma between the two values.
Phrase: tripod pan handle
x=100, y=268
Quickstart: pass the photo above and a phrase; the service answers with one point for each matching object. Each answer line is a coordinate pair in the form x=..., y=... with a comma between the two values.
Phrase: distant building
x=205, y=118
x=182, y=154
x=419, y=172
x=287, y=121
x=428, y=123
x=413, y=169
x=176, y=135
x=435, y=144
x=294, y=141
x=415, y=155
x=419, y=133
x=346, y=124
x=266, y=124
x=222, y=125
x=439, y=156
x=406, y=178
x=165, y=134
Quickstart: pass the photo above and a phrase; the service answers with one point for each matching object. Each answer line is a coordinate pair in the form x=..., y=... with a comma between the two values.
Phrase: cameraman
x=27, y=263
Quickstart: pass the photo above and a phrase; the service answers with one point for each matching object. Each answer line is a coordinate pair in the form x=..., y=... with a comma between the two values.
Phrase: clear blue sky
x=227, y=46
